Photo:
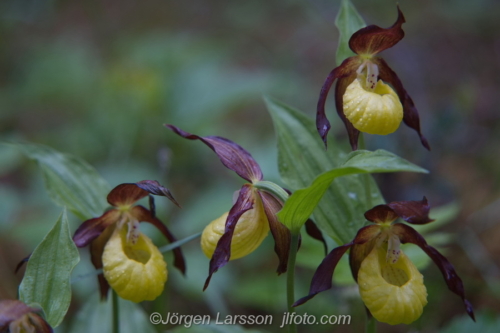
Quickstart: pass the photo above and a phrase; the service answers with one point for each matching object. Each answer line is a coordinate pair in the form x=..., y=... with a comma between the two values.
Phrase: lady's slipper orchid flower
x=389, y=283
x=240, y=231
x=363, y=100
x=132, y=265
x=15, y=316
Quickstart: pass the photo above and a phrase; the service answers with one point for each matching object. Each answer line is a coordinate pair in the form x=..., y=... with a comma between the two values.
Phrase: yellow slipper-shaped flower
x=394, y=293
x=250, y=231
x=374, y=111
x=137, y=272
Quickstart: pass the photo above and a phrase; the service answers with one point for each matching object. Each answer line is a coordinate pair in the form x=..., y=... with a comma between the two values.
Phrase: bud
x=393, y=292
x=136, y=271
x=372, y=107
x=250, y=231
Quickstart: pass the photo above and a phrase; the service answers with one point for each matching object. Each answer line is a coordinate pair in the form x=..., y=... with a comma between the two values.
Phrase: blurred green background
x=97, y=79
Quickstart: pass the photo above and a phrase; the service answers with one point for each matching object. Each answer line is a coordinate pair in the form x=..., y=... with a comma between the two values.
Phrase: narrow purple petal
x=144, y=215
x=414, y=212
x=233, y=156
x=372, y=39
x=322, y=279
x=410, y=112
x=96, y=249
x=222, y=252
x=153, y=187
x=340, y=89
x=22, y=262
x=281, y=234
x=313, y=231
x=409, y=235
x=91, y=229
x=347, y=68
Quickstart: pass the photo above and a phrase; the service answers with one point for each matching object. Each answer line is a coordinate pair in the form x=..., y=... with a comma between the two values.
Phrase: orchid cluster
x=369, y=98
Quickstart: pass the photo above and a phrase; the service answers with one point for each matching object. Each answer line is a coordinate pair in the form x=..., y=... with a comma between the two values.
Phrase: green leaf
x=302, y=157
x=348, y=21
x=302, y=203
x=69, y=180
x=47, y=278
x=96, y=316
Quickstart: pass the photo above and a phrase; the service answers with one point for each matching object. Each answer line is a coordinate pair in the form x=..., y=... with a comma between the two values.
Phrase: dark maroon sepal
x=233, y=156
x=126, y=194
x=96, y=249
x=222, y=251
x=347, y=68
x=322, y=279
x=22, y=262
x=39, y=324
x=91, y=229
x=281, y=234
x=372, y=39
x=340, y=89
x=153, y=187
x=381, y=214
x=313, y=231
x=409, y=235
x=414, y=212
x=410, y=112
x=144, y=215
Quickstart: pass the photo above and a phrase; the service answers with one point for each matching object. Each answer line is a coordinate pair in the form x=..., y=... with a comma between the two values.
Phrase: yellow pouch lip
x=391, y=303
x=137, y=272
x=373, y=111
x=250, y=231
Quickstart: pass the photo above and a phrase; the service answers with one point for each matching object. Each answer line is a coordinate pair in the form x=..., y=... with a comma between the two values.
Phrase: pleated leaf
x=69, y=180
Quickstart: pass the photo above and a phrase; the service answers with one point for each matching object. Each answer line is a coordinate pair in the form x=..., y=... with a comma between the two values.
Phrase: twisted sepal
x=232, y=155
x=409, y=235
x=222, y=252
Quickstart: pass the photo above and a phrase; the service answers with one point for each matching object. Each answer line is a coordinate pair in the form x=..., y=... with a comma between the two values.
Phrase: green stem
x=178, y=243
x=272, y=188
x=371, y=325
x=290, y=279
x=116, y=313
x=366, y=177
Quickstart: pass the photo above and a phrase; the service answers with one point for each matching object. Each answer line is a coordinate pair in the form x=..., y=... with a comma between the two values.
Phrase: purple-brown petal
x=322, y=279
x=347, y=68
x=414, y=212
x=91, y=229
x=409, y=235
x=340, y=89
x=144, y=215
x=96, y=249
x=372, y=39
x=313, y=231
x=22, y=262
x=153, y=187
x=281, y=234
x=381, y=214
x=233, y=156
x=410, y=112
x=222, y=252
x=11, y=310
